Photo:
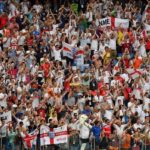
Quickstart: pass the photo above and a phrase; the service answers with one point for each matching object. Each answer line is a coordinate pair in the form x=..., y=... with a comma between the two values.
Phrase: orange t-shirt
x=137, y=63
x=127, y=141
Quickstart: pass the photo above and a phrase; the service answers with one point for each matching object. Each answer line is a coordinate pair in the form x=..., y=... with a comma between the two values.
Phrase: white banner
x=6, y=116
x=117, y=22
x=79, y=58
x=67, y=50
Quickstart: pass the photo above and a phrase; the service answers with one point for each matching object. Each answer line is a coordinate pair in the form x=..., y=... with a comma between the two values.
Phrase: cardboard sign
x=105, y=22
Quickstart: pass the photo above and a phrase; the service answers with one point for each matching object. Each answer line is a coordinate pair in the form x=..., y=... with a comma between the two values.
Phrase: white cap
x=19, y=89
x=46, y=95
x=41, y=59
x=74, y=68
x=140, y=57
x=18, y=52
x=27, y=52
x=106, y=45
x=23, y=31
x=14, y=106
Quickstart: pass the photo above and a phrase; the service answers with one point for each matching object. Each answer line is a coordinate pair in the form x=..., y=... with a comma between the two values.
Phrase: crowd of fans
x=41, y=86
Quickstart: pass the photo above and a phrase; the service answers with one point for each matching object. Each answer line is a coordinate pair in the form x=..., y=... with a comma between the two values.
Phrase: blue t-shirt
x=86, y=111
x=36, y=33
x=96, y=131
x=2, y=6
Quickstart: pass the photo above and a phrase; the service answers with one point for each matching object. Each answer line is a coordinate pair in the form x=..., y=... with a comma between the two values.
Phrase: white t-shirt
x=73, y=126
x=13, y=9
x=114, y=82
x=3, y=102
x=108, y=114
x=132, y=106
x=94, y=44
x=7, y=42
x=136, y=126
x=25, y=6
x=89, y=16
x=25, y=121
x=35, y=102
x=112, y=44
x=101, y=47
x=57, y=54
x=136, y=44
x=84, y=131
x=120, y=129
x=3, y=131
x=137, y=93
x=21, y=40
x=142, y=50
x=81, y=103
x=146, y=102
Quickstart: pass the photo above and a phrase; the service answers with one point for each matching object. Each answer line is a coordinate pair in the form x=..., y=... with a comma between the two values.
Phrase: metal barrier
x=133, y=146
x=91, y=145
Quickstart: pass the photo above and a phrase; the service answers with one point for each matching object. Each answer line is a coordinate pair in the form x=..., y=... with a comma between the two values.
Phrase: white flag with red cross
x=30, y=139
x=44, y=135
x=117, y=22
x=53, y=136
x=116, y=68
x=134, y=73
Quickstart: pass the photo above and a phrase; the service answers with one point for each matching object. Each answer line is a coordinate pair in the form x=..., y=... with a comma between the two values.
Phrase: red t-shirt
x=12, y=99
x=148, y=45
x=29, y=41
x=120, y=79
x=42, y=112
x=126, y=92
x=67, y=85
x=107, y=130
x=13, y=73
x=102, y=91
x=126, y=62
x=3, y=21
x=126, y=45
x=45, y=67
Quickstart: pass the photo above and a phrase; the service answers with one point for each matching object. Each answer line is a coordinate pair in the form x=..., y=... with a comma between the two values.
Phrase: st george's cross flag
x=44, y=135
x=53, y=136
x=117, y=22
x=30, y=139
x=134, y=73
x=116, y=68
x=60, y=135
